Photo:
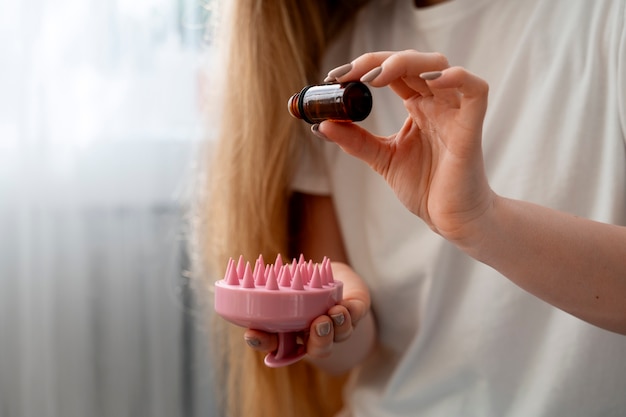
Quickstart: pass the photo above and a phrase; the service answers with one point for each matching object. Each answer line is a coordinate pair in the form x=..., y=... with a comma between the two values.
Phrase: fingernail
x=338, y=319
x=370, y=76
x=429, y=76
x=338, y=72
x=253, y=342
x=322, y=329
x=316, y=131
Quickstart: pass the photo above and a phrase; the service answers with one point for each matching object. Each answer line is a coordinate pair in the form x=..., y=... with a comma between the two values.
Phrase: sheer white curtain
x=99, y=123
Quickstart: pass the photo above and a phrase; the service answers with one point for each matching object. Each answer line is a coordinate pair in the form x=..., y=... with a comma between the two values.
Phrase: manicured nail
x=322, y=329
x=338, y=72
x=316, y=131
x=253, y=342
x=370, y=76
x=338, y=319
x=429, y=76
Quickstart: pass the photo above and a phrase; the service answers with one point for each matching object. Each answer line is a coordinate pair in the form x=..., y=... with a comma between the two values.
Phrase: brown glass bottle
x=348, y=102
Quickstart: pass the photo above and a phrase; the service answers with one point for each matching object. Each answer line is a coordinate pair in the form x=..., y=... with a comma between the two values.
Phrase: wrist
x=476, y=236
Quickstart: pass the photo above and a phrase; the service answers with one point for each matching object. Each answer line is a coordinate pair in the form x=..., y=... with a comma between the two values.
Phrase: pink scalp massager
x=279, y=298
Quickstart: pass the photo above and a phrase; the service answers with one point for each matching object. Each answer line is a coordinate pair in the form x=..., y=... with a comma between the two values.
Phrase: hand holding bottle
x=434, y=163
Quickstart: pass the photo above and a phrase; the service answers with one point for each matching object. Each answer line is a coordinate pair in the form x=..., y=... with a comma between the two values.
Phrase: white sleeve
x=310, y=174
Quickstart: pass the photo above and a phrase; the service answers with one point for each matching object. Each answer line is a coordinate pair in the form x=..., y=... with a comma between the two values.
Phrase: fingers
x=453, y=88
x=342, y=323
x=398, y=70
x=342, y=318
x=401, y=71
x=357, y=309
x=471, y=90
x=356, y=300
x=325, y=330
x=410, y=73
x=359, y=67
x=335, y=326
x=261, y=341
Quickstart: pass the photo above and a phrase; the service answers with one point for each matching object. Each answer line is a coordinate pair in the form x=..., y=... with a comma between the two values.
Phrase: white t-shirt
x=455, y=337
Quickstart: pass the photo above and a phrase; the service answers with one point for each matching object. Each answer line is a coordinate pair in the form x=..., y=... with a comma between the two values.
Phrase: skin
x=435, y=166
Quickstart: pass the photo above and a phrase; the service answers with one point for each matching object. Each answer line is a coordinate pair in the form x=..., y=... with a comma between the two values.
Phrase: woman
x=500, y=290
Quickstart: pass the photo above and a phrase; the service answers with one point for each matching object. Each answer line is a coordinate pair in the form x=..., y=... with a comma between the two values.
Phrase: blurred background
x=100, y=125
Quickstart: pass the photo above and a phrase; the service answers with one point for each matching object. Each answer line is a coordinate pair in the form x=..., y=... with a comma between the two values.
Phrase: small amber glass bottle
x=348, y=102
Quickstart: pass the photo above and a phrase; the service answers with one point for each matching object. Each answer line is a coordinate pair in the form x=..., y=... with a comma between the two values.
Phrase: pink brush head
x=279, y=298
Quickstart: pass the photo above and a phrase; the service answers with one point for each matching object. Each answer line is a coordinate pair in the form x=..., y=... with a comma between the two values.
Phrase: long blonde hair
x=274, y=48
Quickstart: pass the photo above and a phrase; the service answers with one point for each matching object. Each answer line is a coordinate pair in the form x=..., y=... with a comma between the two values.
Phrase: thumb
x=354, y=140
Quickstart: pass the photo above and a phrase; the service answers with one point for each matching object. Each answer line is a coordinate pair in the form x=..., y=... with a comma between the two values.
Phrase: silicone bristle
x=259, y=272
x=309, y=270
x=323, y=276
x=294, y=266
x=241, y=266
x=231, y=275
x=284, y=280
x=329, y=270
x=271, y=283
x=298, y=275
x=278, y=265
x=304, y=272
x=296, y=282
x=248, y=279
x=316, y=280
x=229, y=266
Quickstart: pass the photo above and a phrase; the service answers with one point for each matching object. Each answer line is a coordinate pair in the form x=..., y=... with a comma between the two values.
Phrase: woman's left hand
x=333, y=342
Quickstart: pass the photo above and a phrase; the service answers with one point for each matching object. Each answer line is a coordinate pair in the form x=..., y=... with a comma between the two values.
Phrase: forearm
x=575, y=264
